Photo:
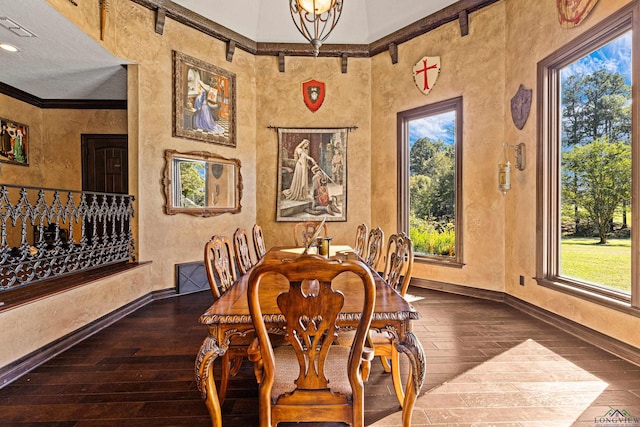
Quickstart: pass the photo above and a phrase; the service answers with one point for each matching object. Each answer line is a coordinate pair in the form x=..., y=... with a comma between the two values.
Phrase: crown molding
x=71, y=104
x=457, y=11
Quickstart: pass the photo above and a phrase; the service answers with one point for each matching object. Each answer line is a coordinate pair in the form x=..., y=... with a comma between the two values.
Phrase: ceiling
x=59, y=61
x=361, y=22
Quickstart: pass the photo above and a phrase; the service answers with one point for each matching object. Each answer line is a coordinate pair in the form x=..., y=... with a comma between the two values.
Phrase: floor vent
x=191, y=277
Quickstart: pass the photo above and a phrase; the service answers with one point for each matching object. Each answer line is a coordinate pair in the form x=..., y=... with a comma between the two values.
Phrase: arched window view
x=595, y=171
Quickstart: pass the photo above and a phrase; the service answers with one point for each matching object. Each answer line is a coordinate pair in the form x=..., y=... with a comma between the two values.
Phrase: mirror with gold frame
x=201, y=183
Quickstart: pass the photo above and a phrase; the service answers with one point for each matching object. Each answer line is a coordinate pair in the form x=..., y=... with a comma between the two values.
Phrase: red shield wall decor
x=572, y=12
x=426, y=72
x=313, y=94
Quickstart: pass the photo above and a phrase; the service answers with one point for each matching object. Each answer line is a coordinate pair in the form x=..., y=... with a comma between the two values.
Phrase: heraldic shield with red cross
x=313, y=94
x=426, y=72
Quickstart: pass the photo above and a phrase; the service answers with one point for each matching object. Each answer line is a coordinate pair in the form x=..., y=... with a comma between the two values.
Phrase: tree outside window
x=430, y=176
x=585, y=219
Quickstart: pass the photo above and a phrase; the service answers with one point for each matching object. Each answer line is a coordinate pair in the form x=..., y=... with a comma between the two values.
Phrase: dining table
x=228, y=318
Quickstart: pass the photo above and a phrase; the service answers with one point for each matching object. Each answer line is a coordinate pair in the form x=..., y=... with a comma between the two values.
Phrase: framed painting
x=204, y=101
x=312, y=174
x=14, y=142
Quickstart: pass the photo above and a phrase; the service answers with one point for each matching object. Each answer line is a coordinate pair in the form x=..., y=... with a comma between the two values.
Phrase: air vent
x=15, y=28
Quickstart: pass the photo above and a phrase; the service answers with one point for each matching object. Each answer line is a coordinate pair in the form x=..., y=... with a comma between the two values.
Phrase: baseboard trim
x=611, y=345
x=24, y=365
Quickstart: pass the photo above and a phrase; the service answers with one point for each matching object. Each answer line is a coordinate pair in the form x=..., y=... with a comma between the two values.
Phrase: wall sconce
x=504, y=165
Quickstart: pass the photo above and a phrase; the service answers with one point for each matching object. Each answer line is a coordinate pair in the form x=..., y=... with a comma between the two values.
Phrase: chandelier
x=315, y=19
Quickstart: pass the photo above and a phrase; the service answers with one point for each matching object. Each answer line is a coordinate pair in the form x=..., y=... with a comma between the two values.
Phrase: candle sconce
x=504, y=165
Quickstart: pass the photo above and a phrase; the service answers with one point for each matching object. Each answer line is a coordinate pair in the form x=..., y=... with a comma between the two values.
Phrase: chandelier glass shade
x=315, y=19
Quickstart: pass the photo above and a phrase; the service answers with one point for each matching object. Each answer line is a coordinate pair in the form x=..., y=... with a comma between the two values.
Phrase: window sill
x=594, y=297
x=441, y=261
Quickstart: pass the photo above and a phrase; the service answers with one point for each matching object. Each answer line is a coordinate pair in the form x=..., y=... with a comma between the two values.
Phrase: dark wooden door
x=104, y=169
x=105, y=163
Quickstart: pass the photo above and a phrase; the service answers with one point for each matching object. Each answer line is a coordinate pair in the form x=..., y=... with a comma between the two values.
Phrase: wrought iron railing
x=48, y=233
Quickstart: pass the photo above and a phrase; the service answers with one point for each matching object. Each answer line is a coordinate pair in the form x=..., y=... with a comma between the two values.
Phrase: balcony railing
x=49, y=233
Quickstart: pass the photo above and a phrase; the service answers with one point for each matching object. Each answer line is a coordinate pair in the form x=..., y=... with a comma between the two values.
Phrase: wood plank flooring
x=487, y=365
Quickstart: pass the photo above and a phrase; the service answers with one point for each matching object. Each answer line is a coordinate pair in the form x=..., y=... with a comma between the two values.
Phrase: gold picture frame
x=204, y=101
x=201, y=184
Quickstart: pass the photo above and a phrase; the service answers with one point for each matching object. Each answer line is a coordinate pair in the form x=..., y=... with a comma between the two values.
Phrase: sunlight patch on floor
x=527, y=385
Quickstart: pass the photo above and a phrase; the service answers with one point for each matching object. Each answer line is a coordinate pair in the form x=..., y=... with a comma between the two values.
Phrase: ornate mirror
x=201, y=183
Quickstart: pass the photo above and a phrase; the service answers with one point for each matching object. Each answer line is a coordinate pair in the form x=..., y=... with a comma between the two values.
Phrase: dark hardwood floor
x=487, y=365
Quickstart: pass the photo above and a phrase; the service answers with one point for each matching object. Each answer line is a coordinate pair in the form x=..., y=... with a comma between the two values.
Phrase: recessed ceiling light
x=8, y=47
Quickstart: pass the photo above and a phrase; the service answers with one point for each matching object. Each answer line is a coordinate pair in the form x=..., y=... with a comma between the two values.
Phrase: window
x=430, y=177
x=586, y=217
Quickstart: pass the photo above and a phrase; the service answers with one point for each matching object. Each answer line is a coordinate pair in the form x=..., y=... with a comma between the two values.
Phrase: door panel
x=105, y=163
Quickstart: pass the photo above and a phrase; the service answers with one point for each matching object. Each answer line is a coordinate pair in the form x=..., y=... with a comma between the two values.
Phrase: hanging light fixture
x=315, y=19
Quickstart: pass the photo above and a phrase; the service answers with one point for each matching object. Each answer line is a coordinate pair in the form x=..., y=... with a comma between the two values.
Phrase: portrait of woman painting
x=204, y=101
x=14, y=142
x=312, y=171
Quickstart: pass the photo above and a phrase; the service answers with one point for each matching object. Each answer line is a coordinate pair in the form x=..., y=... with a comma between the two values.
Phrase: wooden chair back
x=399, y=262
x=328, y=384
x=258, y=242
x=303, y=231
x=241, y=249
x=374, y=247
x=218, y=262
x=362, y=232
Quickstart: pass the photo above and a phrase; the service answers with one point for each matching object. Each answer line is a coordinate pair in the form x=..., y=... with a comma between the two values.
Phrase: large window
x=586, y=217
x=430, y=160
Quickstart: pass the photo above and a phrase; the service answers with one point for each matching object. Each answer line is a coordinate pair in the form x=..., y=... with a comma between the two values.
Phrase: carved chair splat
x=258, y=242
x=328, y=385
x=362, y=233
x=303, y=231
x=241, y=249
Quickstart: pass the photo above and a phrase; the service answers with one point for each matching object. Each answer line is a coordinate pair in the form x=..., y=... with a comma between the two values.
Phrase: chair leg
x=224, y=377
x=386, y=363
x=395, y=375
x=235, y=366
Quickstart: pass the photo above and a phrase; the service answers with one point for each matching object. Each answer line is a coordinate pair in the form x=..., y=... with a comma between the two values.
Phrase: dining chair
x=241, y=250
x=397, y=274
x=221, y=273
x=374, y=247
x=311, y=379
x=258, y=242
x=362, y=232
x=303, y=231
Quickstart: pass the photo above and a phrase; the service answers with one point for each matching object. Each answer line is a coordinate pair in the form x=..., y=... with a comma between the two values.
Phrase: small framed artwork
x=312, y=174
x=204, y=101
x=14, y=142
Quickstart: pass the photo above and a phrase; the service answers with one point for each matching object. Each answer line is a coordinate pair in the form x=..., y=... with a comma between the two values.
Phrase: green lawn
x=607, y=265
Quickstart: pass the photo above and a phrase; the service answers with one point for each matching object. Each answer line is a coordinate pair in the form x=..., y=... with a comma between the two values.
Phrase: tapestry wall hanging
x=204, y=101
x=312, y=174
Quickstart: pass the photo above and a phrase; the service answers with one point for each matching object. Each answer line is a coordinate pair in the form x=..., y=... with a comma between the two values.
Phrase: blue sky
x=614, y=56
x=438, y=128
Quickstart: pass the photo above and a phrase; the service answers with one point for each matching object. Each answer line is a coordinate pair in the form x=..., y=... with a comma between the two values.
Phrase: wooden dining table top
x=232, y=307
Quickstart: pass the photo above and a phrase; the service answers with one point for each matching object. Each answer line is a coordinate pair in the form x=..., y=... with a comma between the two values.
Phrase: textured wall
x=471, y=67
x=54, y=142
x=532, y=33
x=27, y=328
x=171, y=239
x=347, y=103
